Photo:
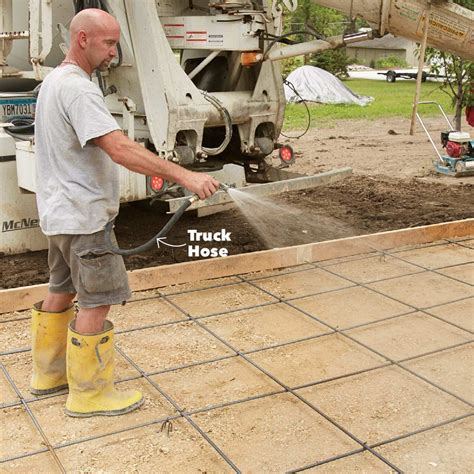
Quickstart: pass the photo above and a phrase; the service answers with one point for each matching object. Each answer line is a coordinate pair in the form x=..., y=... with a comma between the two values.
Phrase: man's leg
x=91, y=320
x=101, y=280
x=57, y=302
x=49, y=325
x=90, y=368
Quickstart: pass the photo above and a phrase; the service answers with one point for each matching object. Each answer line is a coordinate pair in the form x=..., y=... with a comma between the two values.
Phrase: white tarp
x=317, y=85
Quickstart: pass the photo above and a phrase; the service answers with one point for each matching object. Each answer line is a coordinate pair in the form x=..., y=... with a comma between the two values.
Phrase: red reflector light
x=157, y=183
x=286, y=154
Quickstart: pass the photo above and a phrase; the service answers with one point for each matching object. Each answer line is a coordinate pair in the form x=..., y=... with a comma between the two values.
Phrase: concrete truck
x=197, y=82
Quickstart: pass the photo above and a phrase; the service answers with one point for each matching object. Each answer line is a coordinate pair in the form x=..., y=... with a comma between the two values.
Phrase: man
x=78, y=146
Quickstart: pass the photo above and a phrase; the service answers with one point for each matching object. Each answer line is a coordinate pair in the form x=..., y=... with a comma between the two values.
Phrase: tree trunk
x=458, y=106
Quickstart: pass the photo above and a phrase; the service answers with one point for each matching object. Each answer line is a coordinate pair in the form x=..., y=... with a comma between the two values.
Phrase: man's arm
x=136, y=158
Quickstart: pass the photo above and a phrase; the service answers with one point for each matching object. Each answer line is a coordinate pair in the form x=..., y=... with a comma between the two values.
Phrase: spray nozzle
x=225, y=187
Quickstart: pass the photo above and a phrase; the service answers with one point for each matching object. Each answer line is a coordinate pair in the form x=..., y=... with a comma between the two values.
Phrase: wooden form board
x=18, y=299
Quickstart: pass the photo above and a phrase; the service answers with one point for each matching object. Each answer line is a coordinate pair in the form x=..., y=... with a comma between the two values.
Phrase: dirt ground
x=393, y=186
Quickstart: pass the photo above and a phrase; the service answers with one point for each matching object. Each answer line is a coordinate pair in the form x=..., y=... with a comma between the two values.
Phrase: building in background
x=369, y=52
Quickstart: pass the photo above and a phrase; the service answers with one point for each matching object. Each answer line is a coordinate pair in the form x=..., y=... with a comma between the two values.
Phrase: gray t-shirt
x=77, y=184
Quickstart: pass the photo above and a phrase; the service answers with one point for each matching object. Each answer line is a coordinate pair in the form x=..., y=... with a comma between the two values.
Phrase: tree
x=458, y=75
x=334, y=60
x=326, y=22
x=458, y=80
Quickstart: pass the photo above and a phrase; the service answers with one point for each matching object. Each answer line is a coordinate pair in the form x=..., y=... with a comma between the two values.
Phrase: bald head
x=91, y=21
x=94, y=37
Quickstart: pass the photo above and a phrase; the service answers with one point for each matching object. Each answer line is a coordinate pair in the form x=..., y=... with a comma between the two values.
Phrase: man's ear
x=82, y=38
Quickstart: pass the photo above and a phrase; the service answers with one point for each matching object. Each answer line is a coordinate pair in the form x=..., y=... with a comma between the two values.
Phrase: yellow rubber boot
x=48, y=348
x=90, y=372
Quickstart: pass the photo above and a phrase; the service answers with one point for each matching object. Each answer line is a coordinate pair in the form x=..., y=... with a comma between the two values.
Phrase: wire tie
x=167, y=427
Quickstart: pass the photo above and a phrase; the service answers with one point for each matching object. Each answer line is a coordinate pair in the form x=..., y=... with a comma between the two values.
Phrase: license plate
x=11, y=108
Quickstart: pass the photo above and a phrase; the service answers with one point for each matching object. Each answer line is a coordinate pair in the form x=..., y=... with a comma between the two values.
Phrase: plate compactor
x=457, y=157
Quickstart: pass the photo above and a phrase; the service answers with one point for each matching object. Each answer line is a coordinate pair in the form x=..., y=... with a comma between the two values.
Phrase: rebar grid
x=272, y=303
x=34, y=420
x=288, y=389
x=432, y=270
x=285, y=388
x=382, y=443
x=462, y=241
x=353, y=339
x=253, y=351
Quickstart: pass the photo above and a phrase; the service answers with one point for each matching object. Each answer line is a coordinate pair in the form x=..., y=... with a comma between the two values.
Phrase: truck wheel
x=391, y=76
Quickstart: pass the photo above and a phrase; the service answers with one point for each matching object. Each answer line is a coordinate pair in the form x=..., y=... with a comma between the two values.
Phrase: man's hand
x=201, y=184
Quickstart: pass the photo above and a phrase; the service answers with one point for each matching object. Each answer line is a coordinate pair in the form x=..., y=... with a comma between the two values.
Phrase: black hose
x=152, y=242
x=293, y=88
x=22, y=128
x=22, y=125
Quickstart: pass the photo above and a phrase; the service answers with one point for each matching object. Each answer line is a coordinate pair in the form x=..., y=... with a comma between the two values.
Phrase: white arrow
x=161, y=240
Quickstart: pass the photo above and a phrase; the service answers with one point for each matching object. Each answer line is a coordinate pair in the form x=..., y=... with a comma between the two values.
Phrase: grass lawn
x=391, y=100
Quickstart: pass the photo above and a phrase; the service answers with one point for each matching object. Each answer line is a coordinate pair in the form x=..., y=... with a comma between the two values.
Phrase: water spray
x=113, y=247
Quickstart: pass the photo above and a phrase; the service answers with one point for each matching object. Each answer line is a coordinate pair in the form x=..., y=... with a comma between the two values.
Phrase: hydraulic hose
x=152, y=242
x=227, y=121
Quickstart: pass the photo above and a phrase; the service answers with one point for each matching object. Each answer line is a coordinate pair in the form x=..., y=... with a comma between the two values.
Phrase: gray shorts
x=82, y=264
